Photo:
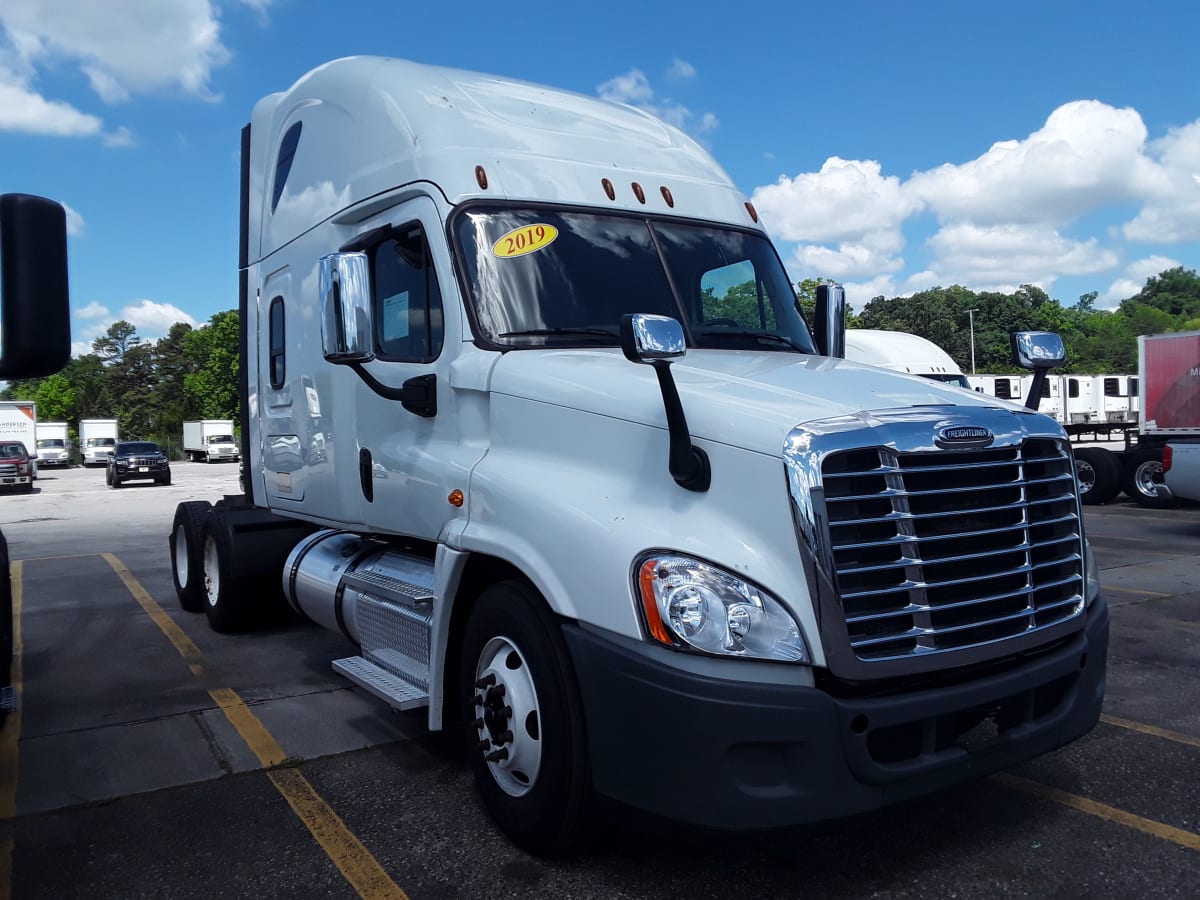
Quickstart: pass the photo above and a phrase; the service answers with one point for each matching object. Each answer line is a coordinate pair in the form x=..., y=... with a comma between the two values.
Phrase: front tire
x=187, y=554
x=518, y=696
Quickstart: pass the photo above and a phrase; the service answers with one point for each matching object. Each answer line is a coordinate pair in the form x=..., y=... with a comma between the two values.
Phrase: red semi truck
x=1169, y=370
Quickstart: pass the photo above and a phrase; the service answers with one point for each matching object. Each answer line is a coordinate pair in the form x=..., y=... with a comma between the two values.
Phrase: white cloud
x=1087, y=155
x=1003, y=257
x=681, y=70
x=1172, y=214
x=122, y=137
x=25, y=111
x=154, y=320
x=1133, y=279
x=151, y=319
x=847, y=198
x=145, y=46
x=93, y=310
x=634, y=88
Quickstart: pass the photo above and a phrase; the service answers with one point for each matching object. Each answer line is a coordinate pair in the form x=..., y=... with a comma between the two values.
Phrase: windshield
x=49, y=443
x=949, y=378
x=101, y=442
x=220, y=439
x=543, y=277
x=12, y=451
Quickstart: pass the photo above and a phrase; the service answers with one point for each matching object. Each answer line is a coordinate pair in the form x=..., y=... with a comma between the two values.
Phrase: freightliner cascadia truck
x=530, y=416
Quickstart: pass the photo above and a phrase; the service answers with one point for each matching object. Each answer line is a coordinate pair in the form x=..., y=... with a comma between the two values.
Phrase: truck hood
x=745, y=399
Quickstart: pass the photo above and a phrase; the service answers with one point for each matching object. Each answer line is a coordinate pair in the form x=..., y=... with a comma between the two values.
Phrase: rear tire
x=187, y=554
x=517, y=692
x=1098, y=474
x=1143, y=476
x=229, y=600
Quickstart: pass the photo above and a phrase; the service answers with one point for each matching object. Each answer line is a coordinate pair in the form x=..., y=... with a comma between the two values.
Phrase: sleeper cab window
x=407, y=300
x=283, y=163
x=276, y=338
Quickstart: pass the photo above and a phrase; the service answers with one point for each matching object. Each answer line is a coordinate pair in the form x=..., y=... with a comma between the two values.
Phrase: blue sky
x=890, y=146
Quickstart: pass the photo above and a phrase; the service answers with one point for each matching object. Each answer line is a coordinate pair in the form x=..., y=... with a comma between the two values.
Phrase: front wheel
x=524, y=721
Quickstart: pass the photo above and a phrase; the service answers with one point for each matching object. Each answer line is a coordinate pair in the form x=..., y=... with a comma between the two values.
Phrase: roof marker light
x=753, y=212
x=481, y=177
x=639, y=193
x=666, y=192
x=608, y=188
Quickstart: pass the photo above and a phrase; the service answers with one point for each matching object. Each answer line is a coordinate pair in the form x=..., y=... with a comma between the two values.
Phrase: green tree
x=55, y=398
x=211, y=389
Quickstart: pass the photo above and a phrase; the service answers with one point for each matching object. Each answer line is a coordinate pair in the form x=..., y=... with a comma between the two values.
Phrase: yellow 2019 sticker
x=526, y=239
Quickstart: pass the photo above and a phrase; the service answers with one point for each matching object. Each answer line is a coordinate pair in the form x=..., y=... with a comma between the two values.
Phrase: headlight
x=1091, y=573
x=691, y=603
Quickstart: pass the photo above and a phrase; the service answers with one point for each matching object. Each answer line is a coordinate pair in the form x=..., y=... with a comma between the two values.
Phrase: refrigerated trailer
x=530, y=417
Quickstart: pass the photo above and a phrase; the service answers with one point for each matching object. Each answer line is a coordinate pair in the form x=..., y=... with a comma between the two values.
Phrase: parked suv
x=137, y=460
x=16, y=467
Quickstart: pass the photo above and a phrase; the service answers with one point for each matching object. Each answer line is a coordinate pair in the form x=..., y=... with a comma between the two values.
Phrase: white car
x=1181, y=469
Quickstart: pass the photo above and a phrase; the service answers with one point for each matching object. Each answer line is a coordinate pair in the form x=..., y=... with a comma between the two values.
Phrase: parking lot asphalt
x=151, y=757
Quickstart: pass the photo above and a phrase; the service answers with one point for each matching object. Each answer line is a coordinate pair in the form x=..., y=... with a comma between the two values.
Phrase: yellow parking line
x=356, y=863
x=10, y=736
x=1101, y=810
x=1151, y=730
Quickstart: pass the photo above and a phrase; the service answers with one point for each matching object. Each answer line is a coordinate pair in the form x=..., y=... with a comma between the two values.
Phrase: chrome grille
x=947, y=549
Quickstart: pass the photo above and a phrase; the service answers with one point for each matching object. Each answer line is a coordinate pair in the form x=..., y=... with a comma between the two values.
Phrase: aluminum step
x=388, y=587
x=391, y=689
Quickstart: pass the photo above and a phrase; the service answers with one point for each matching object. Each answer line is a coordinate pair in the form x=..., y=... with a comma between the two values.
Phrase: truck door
x=411, y=456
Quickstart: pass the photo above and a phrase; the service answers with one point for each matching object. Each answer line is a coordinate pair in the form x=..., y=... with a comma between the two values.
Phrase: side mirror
x=645, y=338
x=830, y=320
x=654, y=341
x=1040, y=351
x=345, y=287
x=35, y=334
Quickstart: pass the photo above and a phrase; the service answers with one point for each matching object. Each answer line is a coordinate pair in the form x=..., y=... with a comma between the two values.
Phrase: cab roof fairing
x=372, y=125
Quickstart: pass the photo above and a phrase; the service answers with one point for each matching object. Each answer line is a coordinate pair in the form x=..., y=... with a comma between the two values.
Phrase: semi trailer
x=531, y=417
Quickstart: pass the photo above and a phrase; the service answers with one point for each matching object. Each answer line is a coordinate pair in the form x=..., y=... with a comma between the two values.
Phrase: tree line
x=150, y=387
x=1098, y=341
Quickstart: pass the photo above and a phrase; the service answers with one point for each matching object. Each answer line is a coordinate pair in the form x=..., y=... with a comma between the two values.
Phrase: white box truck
x=18, y=422
x=97, y=440
x=530, y=417
x=210, y=440
x=53, y=444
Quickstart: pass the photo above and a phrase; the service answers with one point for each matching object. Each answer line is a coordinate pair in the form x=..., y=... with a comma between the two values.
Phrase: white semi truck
x=53, y=444
x=210, y=440
x=903, y=352
x=530, y=416
x=97, y=440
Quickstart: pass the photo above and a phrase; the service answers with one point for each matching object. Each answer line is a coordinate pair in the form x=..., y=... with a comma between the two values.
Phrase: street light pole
x=971, y=315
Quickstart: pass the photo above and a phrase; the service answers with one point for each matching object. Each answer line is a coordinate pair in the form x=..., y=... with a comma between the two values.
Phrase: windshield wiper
x=769, y=336
x=554, y=332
